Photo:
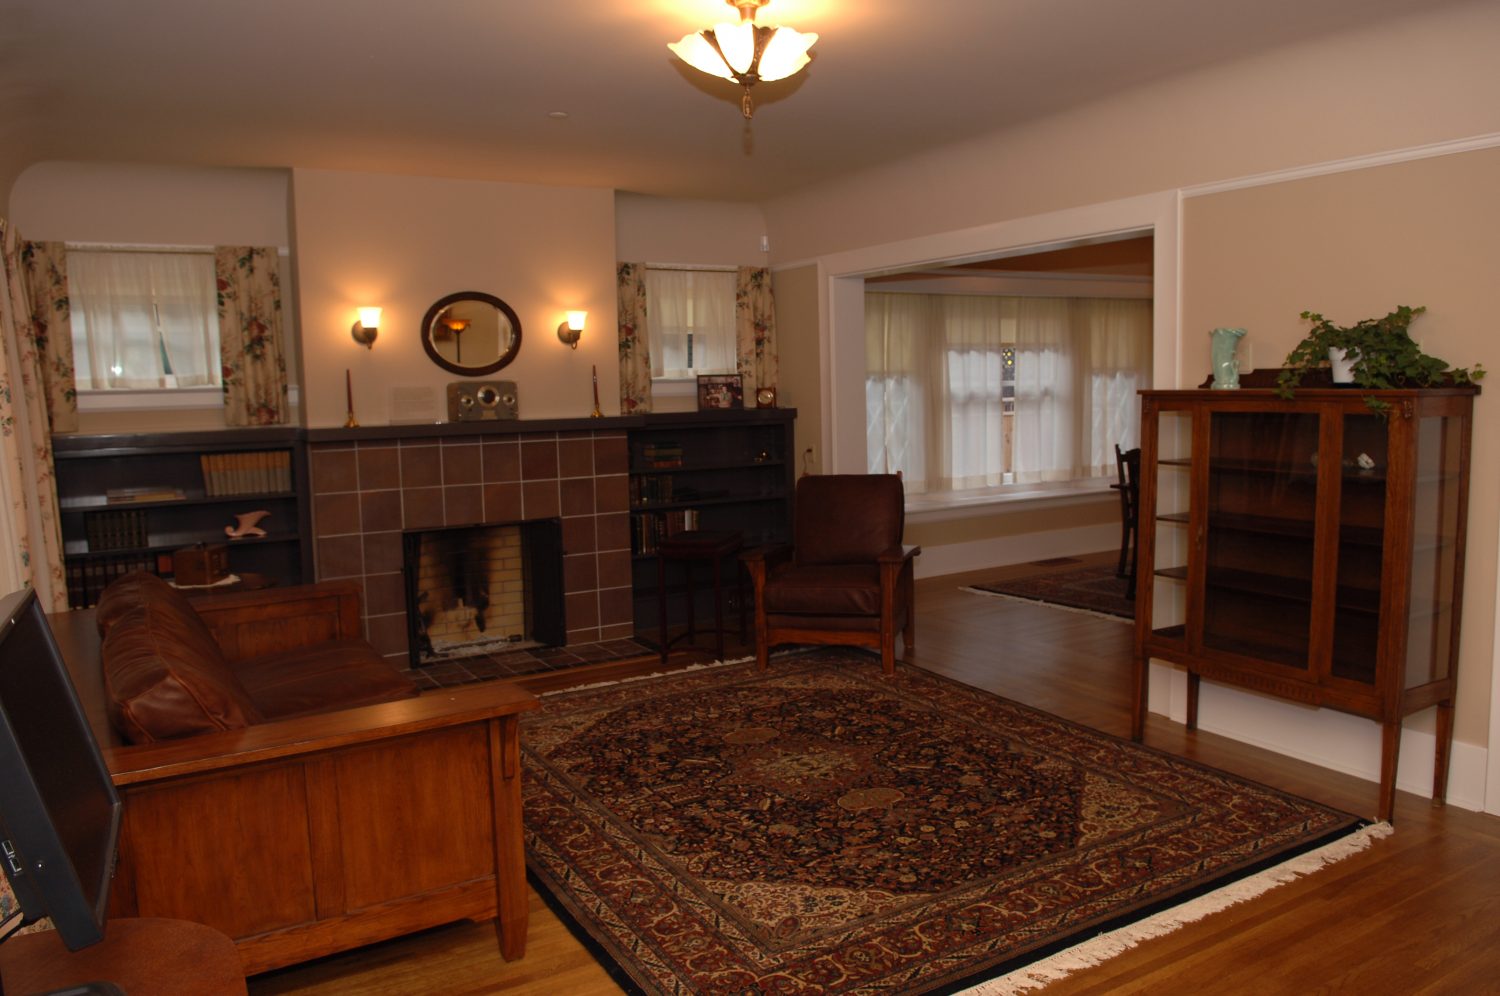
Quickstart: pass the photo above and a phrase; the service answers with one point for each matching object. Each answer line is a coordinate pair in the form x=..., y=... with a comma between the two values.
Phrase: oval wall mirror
x=471, y=333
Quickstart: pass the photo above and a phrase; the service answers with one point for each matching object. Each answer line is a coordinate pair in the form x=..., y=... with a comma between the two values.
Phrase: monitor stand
x=144, y=955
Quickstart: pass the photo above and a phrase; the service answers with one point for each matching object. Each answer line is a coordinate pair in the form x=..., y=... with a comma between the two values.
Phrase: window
x=143, y=320
x=968, y=392
x=690, y=320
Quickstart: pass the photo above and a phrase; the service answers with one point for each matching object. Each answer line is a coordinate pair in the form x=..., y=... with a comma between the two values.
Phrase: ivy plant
x=1382, y=351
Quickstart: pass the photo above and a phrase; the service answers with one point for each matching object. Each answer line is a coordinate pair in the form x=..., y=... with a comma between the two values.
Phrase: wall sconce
x=367, y=328
x=571, y=330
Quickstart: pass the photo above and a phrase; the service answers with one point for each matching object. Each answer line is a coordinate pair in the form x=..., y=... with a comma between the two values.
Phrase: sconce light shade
x=571, y=330
x=367, y=328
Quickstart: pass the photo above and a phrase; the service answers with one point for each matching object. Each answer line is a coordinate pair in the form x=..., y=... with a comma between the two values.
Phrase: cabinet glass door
x=1435, y=551
x=1362, y=501
x=1262, y=492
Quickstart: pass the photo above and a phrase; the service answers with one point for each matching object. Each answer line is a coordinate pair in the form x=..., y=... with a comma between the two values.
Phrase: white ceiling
x=464, y=87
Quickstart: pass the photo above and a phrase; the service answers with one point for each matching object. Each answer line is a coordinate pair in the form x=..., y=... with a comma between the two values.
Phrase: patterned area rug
x=1093, y=589
x=819, y=829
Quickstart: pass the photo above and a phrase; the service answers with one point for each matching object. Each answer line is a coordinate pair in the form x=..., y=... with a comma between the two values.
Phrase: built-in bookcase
x=129, y=501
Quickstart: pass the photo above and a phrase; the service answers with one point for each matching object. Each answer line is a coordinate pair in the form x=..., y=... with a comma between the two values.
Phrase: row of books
x=122, y=530
x=260, y=472
x=87, y=578
x=651, y=490
x=650, y=530
x=658, y=455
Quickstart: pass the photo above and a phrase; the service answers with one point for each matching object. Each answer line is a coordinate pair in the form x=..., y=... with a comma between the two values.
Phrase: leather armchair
x=846, y=579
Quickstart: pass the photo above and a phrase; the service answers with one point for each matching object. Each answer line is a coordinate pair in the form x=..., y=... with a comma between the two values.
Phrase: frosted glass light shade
x=576, y=320
x=785, y=52
x=369, y=317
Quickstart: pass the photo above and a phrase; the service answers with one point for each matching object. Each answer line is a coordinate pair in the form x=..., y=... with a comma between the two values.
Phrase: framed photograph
x=720, y=391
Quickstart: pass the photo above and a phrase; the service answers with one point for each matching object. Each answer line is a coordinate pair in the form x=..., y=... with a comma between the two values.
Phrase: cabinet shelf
x=169, y=544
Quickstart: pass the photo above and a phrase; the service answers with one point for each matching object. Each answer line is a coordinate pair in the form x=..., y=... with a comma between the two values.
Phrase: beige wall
x=797, y=355
x=701, y=233
x=1406, y=82
x=404, y=242
x=1355, y=245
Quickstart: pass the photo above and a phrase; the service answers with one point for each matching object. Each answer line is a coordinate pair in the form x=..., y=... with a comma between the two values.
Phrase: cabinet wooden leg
x=1192, y=701
x=1444, y=752
x=1390, y=752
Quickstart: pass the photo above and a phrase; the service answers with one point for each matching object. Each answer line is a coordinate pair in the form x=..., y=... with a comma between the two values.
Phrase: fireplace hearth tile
x=461, y=463
x=502, y=502
x=540, y=500
x=538, y=459
x=501, y=461
x=333, y=470
x=463, y=505
x=379, y=468
x=380, y=511
x=575, y=457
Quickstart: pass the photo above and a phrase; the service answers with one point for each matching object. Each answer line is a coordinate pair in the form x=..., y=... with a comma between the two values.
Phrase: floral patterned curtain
x=755, y=328
x=250, y=338
x=635, y=348
x=49, y=330
x=30, y=534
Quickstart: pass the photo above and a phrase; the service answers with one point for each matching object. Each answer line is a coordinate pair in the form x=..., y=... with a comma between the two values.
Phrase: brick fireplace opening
x=483, y=588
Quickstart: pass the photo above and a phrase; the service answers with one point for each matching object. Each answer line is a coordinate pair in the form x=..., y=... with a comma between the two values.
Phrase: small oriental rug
x=820, y=829
x=1092, y=589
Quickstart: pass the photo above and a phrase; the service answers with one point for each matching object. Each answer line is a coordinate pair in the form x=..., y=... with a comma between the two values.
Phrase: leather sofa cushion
x=342, y=674
x=131, y=592
x=847, y=518
x=166, y=678
x=825, y=590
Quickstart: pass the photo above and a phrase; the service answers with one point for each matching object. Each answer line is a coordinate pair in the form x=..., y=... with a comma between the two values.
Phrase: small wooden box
x=201, y=564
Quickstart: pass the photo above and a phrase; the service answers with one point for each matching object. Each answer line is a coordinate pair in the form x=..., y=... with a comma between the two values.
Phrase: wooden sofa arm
x=304, y=837
x=305, y=735
x=274, y=620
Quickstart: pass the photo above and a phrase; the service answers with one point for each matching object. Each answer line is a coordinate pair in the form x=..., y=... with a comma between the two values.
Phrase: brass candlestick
x=351, y=422
x=597, y=413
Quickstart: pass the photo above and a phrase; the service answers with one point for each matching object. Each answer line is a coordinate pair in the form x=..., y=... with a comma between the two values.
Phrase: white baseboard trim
x=1324, y=737
x=999, y=551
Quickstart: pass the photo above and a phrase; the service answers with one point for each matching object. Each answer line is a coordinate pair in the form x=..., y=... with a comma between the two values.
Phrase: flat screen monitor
x=59, y=812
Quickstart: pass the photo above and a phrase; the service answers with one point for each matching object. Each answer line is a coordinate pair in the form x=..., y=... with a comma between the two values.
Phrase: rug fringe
x=1050, y=605
x=1098, y=950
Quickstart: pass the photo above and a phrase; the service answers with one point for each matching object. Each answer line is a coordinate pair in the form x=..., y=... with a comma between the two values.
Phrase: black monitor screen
x=59, y=813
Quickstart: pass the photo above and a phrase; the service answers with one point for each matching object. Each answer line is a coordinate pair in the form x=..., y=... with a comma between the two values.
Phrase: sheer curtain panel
x=143, y=319
x=692, y=322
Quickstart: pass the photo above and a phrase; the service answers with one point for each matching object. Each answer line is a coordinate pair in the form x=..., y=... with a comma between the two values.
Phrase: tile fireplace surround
x=371, y=484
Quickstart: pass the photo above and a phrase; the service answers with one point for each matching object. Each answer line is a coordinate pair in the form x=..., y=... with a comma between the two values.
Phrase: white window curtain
x=144, y=319
x=690, y=315
x=934, y=405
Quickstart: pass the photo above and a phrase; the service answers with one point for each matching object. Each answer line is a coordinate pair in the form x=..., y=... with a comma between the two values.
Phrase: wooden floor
x=1419, y=912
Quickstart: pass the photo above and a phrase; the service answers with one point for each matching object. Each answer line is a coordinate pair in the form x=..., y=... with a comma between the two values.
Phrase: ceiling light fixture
x=746, y=53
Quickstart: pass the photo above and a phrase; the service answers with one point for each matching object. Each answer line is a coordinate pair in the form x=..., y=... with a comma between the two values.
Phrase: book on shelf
x=650, y=530
x=121, y=496
x=251, y=472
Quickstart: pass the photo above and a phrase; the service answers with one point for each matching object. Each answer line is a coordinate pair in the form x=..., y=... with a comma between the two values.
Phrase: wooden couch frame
x=308, y=836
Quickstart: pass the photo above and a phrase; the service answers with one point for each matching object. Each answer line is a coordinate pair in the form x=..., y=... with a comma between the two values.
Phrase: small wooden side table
x=696, y=546
x=143, y=955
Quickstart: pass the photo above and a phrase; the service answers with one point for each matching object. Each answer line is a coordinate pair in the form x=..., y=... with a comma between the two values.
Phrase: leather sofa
x=287, y=786
x=167, y=676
